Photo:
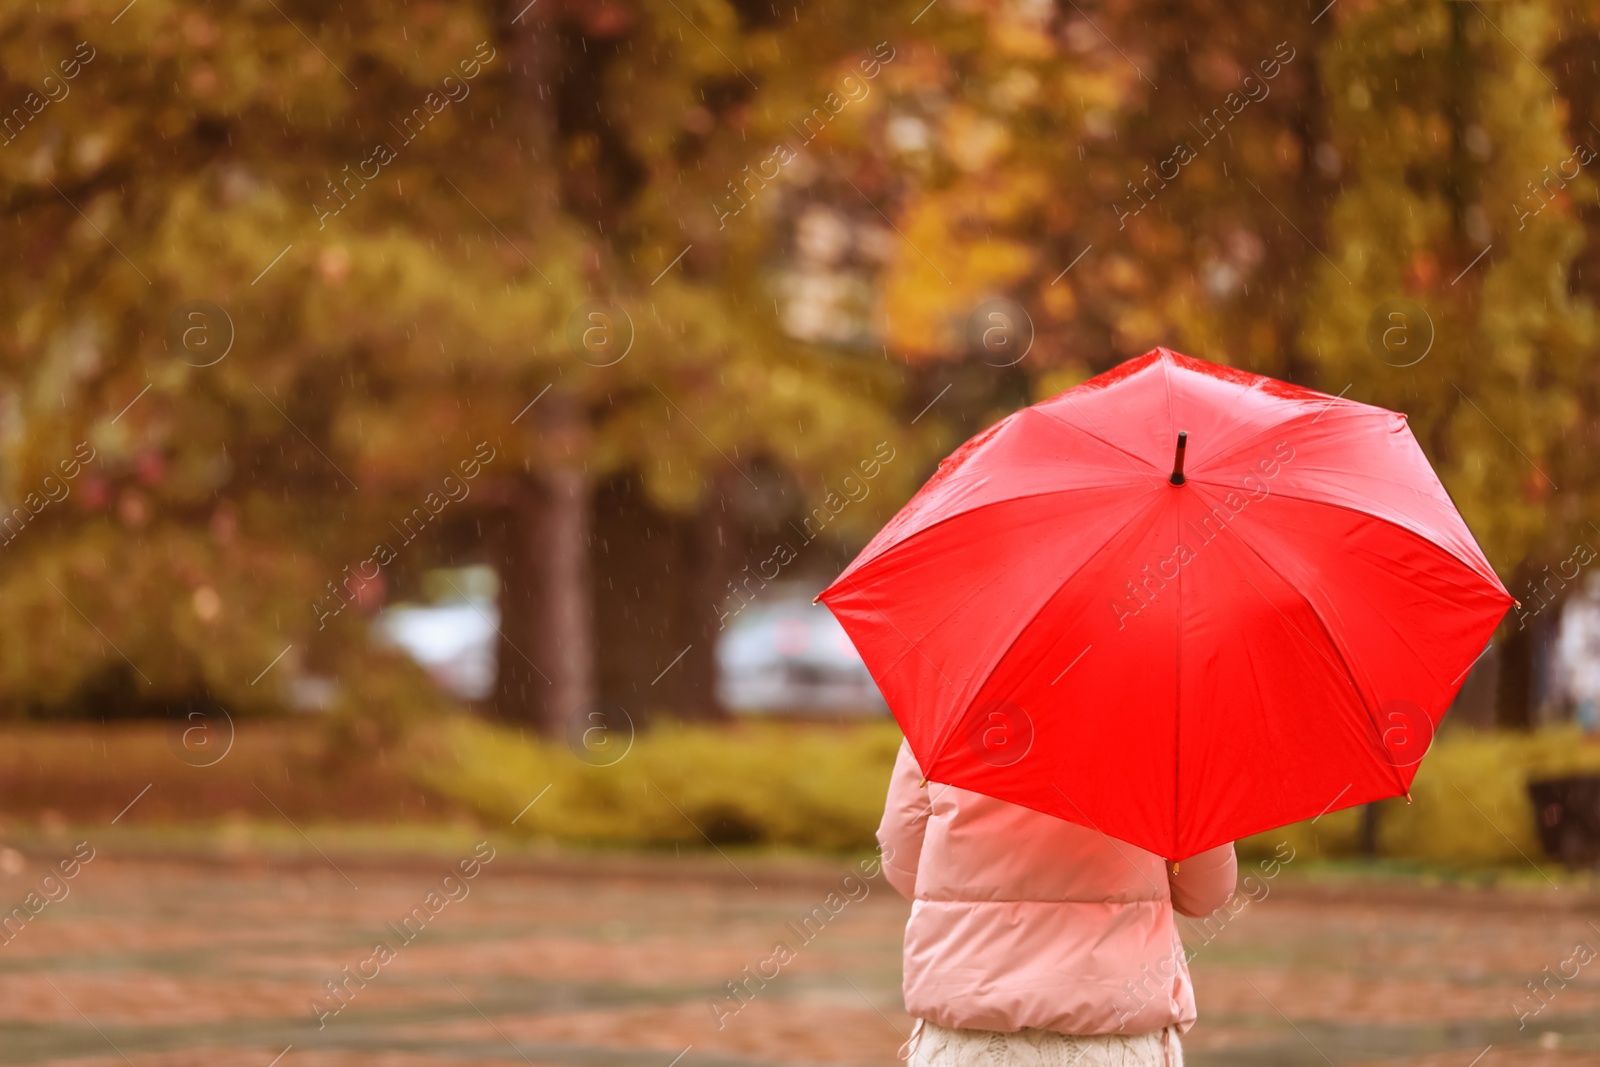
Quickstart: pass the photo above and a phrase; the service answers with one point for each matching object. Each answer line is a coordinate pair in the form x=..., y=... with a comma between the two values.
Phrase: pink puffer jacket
x=1020, y=919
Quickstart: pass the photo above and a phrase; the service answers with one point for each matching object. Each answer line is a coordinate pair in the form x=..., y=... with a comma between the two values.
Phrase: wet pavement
x=625, y=963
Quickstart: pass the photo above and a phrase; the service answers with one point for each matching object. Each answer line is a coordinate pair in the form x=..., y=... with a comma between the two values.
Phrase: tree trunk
x=1514, y=685
x=546, y=658
x=659, y=578
x=1513, y=705
x=535, y=66
x=569, y=608
x=716, y=541
x=522, y=659
x=546, y=655
x=1368, y=844
x=522, y=681
x=555, y=80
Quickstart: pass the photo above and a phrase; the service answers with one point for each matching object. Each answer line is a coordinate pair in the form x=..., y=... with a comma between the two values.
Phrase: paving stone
x=180, y=964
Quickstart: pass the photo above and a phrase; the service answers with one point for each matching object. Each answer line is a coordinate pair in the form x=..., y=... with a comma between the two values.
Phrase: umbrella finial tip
x=1177, y=477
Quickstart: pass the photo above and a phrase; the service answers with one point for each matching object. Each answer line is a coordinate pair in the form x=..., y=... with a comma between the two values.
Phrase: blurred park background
x=428, y=423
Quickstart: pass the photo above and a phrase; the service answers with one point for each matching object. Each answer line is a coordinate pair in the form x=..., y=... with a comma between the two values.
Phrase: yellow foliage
x=1059, y=381
x=760, y=783
x=944, y=273
x=1469, y=804
x=973, y=140
x=1059, y=300
x=822, y=787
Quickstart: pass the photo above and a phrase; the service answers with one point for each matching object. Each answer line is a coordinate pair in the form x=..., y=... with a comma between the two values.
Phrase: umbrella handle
x=1177, y=477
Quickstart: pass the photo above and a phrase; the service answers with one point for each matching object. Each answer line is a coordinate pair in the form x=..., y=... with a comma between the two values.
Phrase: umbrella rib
x=1235, y=446
x=1391, y=523
x=897, y=629
x=889, y=550
x=1177, y=706
x=1166, y=378
x=1322, y=624
x=944, y=735
x=1177, y=647
x=1036, y=409
x=1262, y=719
x=893, y=546
x=1342, y=666
x=1096, y=434
x=1367, y=408
x=1426, y=543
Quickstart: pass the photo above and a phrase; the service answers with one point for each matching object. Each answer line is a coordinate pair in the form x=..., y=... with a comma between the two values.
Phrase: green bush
x=818, y=787
x=822, y=787
x=1469, y=803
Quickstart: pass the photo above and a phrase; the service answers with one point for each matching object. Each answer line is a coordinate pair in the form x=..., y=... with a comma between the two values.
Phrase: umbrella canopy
x=1177, y=660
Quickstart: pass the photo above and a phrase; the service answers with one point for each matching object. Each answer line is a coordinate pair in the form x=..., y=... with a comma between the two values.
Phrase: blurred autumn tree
x=1118, y=171
x=398, y=214
x=722, y=248
x=1260, y=185
x=1454, y=239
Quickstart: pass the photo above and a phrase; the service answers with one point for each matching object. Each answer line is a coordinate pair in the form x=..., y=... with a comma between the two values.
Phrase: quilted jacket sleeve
x=1204, y=882
x=905, y=818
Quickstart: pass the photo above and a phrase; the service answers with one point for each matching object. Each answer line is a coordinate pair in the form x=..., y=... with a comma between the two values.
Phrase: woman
x=1034, y=942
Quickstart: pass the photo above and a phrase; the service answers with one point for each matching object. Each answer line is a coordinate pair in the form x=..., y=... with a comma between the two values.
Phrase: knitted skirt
x=938, y=1046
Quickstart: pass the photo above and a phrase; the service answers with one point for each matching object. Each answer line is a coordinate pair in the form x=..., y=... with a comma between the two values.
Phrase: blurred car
x=455, y=642
x=790, y=655
x=784, y=655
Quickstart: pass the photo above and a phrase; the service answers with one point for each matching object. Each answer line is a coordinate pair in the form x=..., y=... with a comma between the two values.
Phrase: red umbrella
x=1179, y=604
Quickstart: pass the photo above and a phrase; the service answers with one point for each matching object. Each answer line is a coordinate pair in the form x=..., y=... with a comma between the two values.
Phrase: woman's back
x=1020, y=919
